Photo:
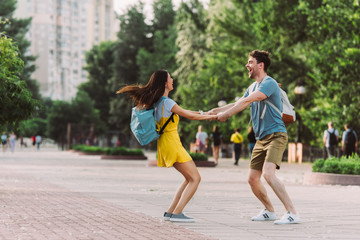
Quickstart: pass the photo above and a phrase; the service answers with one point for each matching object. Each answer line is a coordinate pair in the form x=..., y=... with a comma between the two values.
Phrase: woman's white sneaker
x=288, y=218
x=264, y=215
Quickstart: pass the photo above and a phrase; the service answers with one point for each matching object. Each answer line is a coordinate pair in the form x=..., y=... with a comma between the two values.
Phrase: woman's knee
x=196, y=178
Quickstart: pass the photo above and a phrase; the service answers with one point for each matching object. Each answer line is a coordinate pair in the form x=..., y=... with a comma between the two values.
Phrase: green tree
x=133, y=35
x=16, y=100
x=234, y=28
x=17, y=29
x=80, y=111
x=333, y=49
x=99, y=64
x=162, y=54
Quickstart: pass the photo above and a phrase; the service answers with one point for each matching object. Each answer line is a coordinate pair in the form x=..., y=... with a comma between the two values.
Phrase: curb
x=316, y=178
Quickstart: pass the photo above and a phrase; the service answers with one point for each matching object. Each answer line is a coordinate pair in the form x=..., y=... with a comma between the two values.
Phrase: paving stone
x=60, y=195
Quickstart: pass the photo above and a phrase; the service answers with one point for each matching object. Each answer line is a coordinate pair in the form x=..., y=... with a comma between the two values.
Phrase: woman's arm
x=192, y=115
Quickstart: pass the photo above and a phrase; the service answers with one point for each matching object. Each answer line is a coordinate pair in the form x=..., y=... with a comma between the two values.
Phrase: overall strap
x=171, y=118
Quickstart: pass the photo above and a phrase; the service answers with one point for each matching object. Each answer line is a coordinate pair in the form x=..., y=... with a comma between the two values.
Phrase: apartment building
x=61, y=32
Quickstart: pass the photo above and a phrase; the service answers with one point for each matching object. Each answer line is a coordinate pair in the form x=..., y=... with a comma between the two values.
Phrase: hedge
x=108, y=151
x=340, y=165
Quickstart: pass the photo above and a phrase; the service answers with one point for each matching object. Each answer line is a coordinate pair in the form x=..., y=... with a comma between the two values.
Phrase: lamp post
x=299, y=90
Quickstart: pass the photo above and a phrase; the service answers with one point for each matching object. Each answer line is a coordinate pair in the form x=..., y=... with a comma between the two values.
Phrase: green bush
x=91, y=149
x=124, y=151
x=318, y=165
x=199, y=156
x=108, y=151
x=341, y=165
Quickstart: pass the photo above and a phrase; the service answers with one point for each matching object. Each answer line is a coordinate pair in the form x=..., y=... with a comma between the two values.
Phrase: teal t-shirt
x=272, y=121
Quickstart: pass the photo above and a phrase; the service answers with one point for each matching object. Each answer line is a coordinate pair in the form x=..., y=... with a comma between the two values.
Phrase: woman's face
x=169, y=83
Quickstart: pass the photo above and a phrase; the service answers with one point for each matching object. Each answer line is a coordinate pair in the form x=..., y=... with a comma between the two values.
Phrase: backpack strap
x=273, y=106
x=251, y=90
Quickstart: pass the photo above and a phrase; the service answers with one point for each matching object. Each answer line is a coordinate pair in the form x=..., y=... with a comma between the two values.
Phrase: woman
x=169, y=148
x=216, y=137
x=201, y=140
x=12, y=141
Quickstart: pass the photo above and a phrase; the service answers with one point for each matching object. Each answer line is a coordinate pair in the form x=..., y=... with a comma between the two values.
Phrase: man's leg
x=278, y=187
x=258, y=189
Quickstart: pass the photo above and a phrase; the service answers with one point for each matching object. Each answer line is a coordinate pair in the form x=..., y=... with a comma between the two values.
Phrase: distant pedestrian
x=237, y=139
x=216, y=145
x=38, y=140
x=170, y=150
x=201, y=140
x=4, y=141
x=349, y=144
x=33, y=141
x=331, y=140
x=12, y=141
x=251, y=139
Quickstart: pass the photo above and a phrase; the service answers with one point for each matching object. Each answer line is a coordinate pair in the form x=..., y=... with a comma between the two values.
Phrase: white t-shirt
x=202, y=136
x=168, y=105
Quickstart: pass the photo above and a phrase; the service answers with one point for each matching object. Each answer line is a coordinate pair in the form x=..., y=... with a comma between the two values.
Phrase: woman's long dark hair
x=146, y=96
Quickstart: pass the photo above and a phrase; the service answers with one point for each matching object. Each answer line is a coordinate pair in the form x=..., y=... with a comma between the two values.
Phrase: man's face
x=253, y=67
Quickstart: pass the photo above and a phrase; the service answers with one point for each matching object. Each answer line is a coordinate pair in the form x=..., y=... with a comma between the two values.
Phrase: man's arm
x=241, y=104
x=215, y=111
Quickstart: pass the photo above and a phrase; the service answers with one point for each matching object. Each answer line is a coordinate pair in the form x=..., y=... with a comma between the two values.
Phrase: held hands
x=210, y=112
x=222, y=116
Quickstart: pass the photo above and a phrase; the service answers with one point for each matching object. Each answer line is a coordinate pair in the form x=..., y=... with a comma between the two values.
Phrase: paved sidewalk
x=61, y=195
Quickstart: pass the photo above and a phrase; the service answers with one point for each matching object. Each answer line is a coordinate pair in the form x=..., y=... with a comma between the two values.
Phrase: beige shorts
x=269, y=149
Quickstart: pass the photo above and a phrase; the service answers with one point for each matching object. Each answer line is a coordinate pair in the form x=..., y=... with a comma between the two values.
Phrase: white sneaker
x=265, y=215
x=288, y=218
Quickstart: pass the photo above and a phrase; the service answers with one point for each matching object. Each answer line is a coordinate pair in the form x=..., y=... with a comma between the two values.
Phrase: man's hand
x=222, y=116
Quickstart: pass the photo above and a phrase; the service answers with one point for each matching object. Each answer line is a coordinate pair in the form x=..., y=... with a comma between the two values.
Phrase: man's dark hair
x=261, y=57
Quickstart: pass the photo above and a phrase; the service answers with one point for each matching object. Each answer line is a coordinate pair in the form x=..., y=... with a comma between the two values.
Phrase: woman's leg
x=177, y=197
x=187, y=188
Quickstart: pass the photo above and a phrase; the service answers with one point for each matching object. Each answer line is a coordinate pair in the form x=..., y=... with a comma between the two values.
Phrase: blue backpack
x=143, y=125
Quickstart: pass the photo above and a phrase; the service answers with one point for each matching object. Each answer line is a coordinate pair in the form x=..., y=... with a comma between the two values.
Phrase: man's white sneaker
x=264, y=215
x=288, y=218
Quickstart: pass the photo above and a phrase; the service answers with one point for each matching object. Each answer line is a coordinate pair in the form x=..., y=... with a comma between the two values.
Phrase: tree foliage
x=133, y=35
x=17, y=29
x=99, y=65
x=16, y=100
x=79, y=111
x=161, y=55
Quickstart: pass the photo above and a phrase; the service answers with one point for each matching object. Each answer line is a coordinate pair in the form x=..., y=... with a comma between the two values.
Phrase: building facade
x=61, y=33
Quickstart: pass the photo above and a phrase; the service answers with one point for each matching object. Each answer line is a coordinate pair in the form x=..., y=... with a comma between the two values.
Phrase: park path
x=50, y=194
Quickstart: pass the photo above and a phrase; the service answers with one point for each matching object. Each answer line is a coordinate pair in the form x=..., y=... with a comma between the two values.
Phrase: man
x=331, y=139
x=237, y=139
x=350, y=141
x=270, y=133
